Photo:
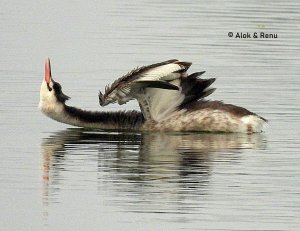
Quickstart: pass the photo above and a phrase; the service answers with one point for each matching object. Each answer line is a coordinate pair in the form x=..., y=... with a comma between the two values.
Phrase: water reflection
x=143, y=172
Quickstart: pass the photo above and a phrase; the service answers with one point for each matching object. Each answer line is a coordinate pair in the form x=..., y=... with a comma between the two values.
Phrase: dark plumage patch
x=156, y=84
x=195, y=88
x=249, y=128
x=61, y=97
x=101, y=98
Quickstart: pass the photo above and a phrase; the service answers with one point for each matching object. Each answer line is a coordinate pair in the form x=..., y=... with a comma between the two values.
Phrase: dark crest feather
x=61, y=97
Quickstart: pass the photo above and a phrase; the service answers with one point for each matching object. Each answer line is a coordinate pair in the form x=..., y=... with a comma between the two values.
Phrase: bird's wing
x=160, y=88
x=157, y=75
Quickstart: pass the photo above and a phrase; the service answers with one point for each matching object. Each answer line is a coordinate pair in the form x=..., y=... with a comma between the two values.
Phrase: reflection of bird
x=154, y=169
x=150, y=153
x=170, y=100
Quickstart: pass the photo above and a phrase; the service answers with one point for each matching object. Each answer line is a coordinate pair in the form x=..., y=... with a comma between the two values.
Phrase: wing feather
x=164, y=71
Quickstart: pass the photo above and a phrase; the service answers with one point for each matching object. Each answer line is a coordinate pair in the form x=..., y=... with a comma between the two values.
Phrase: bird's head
x=51, y=94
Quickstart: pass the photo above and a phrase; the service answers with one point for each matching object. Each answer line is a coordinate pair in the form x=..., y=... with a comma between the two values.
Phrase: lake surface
x=57, y=177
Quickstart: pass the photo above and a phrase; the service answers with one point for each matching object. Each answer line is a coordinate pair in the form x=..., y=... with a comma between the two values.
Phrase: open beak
x=47, y=71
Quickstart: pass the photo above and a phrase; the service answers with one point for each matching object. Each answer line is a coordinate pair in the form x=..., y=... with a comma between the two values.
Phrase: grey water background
x=56, y=177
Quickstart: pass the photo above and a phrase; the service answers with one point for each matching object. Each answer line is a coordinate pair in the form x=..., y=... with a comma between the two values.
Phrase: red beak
x=47, y=71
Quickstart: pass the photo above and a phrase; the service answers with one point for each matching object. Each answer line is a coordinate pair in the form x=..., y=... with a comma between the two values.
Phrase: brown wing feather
x=195, y=88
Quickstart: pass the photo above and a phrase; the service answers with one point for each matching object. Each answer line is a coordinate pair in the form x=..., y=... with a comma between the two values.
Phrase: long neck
x=130, y=120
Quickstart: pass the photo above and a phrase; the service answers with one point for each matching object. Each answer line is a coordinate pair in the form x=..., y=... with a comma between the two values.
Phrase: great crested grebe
x=169, y=98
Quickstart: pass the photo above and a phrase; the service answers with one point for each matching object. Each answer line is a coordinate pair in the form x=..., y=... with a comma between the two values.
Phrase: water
x=55, y=177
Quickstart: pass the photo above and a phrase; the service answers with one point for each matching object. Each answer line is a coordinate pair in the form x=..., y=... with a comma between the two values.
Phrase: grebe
x=169, y=98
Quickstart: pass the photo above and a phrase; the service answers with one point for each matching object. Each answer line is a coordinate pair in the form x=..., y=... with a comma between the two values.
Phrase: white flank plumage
x=253, y=123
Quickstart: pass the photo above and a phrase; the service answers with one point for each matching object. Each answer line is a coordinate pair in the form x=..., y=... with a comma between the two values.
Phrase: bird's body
x=169, y=98
x=209, y=116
